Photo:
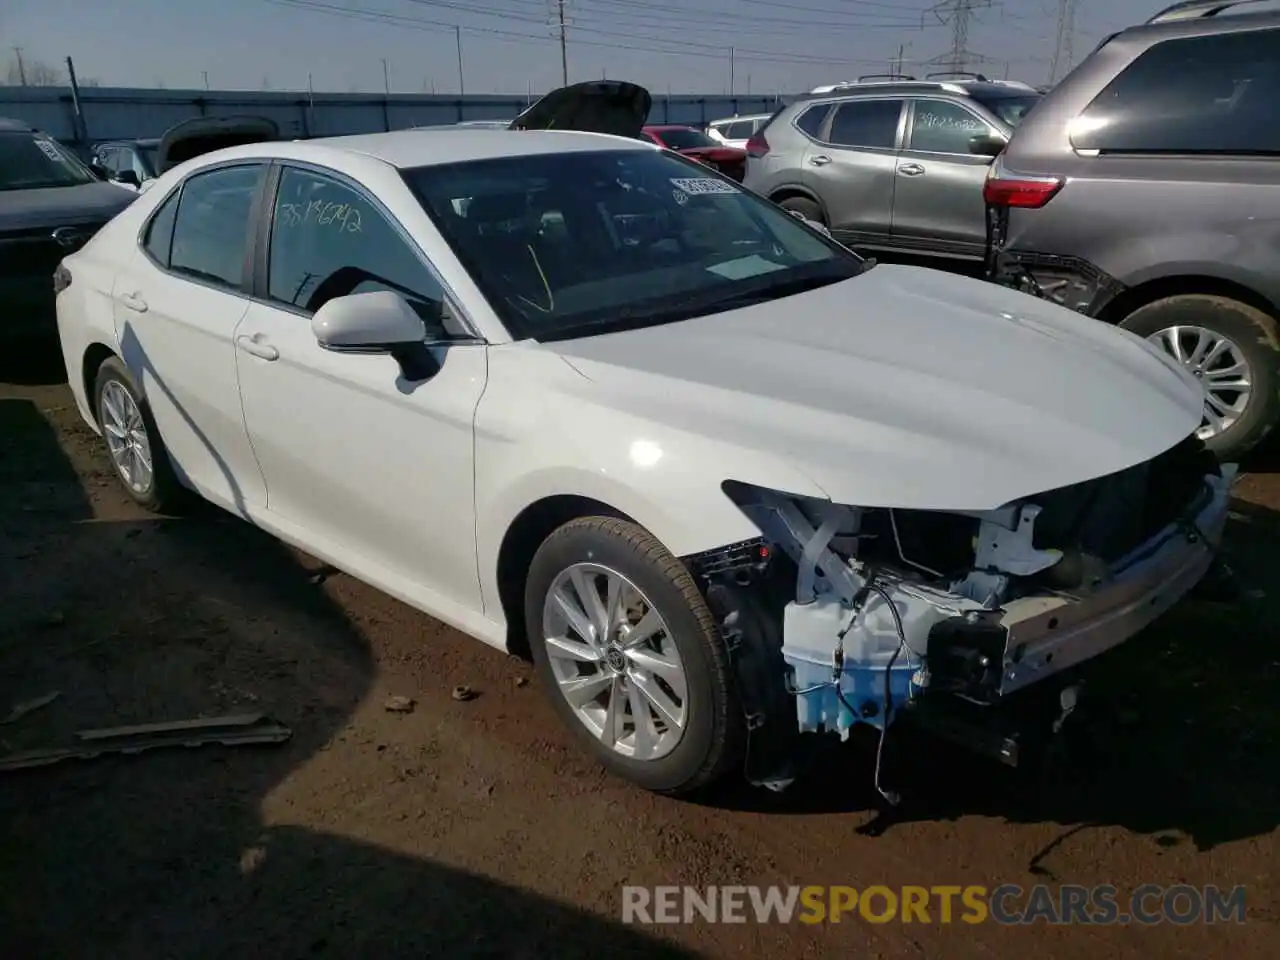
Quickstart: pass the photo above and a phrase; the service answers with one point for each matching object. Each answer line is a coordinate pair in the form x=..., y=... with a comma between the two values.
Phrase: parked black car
x=50, y=204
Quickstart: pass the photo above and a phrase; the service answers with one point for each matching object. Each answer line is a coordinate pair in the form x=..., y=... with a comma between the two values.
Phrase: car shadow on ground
x=167, y=854
x=1179, y=733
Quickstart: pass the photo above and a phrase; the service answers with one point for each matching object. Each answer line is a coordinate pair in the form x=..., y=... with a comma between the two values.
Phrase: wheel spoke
x=581, y=691
x=1221, y=368
x=1203, y=342
x=666, y=668
x=649, y=627
x=610, y=732
x=578, y=621
x=646, y=735
x=584, y=585
x=658, y=699
x=568, y=649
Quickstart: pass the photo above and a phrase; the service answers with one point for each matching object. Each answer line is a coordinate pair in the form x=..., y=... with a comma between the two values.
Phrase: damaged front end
x=841, y=615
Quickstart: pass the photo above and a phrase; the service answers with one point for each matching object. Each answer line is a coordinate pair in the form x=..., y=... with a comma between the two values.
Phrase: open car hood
x=596, y=106
x=201, y=135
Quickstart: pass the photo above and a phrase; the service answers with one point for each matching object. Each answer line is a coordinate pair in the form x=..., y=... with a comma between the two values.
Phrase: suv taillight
x=757, y=146
x=1003, y=190
x=61, y=279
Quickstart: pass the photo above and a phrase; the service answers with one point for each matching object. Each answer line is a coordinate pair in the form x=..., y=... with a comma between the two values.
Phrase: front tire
x=805, y=207
x=630, y=655
x=133, y=442
x=1233, y=349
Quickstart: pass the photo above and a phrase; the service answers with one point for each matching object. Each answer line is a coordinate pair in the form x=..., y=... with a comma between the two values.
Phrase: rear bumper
x=1067, y=281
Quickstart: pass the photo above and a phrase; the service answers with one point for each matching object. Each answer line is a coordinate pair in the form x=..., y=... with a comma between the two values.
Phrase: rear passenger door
x=938, y=203
x=851, y=167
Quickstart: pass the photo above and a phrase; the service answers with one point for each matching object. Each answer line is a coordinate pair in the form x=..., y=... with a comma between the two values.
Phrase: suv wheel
x=1232, y=349
x=805, y=207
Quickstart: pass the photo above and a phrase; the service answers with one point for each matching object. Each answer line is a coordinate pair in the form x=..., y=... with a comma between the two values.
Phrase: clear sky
x=509, y=46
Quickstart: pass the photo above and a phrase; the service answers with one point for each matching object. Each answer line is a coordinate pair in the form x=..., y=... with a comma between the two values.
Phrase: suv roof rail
x=883, y=76
x=1196, y=9
x=957, y=75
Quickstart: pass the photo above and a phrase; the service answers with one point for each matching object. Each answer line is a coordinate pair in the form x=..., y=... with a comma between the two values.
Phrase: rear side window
x=211, y=232
x=812, y=119
x=741, y=130
x=1211, y=95
x=159, y=236
x=866, y=123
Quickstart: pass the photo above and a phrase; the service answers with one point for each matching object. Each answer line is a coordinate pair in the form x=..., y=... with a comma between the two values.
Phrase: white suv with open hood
x=577, y=395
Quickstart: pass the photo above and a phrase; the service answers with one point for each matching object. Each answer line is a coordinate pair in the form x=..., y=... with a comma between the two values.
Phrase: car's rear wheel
x=630, y=655
x=133, y=443
x=1232, y=349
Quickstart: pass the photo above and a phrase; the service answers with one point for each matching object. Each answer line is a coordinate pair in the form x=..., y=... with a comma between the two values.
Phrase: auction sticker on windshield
x=703, y=185
x=48, y=149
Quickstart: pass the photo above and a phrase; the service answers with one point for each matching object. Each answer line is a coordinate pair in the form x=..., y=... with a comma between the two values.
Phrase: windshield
x=1010, y=109
x=681, y=138
x=573, y=244
x=31, y=161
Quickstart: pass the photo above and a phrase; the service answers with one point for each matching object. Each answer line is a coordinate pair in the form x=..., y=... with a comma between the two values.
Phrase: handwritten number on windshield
x=343, y=217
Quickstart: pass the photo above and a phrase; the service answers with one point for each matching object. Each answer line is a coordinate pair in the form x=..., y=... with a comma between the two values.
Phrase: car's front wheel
x=133, y=443
x=1232, y=349
x=631, y=657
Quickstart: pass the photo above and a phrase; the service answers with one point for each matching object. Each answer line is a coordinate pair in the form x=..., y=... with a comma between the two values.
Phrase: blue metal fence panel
x=111, y=113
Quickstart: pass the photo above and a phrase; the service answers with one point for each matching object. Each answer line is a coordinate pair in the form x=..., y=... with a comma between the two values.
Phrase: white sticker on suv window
x=48, y=149
x=703, y=185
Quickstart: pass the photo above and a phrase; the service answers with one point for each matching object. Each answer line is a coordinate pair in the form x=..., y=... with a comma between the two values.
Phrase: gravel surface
x=399, y=821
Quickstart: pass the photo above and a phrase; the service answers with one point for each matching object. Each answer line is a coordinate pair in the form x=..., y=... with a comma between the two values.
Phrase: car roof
x=432, y=146
x=15, y=126
x=131, y=141
x=740, y=116
x=1196, y=25
x=982, y=89
x=669, y=126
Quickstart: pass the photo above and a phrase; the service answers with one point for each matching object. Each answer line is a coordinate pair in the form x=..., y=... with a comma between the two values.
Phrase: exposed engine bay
x=876, y=611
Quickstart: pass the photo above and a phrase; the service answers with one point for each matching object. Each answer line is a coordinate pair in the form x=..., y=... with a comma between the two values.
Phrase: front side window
x=328, y=240
x=574, y=244
x=33, y=161
x=1213, y=95
x=866, y=123
x=211, y=230
x=941, y=126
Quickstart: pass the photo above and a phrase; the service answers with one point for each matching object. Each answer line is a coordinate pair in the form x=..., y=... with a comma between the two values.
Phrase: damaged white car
x=727, y=482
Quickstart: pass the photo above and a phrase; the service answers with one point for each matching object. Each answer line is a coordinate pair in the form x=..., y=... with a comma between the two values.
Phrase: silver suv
x=889, y=165
x=1145, y=191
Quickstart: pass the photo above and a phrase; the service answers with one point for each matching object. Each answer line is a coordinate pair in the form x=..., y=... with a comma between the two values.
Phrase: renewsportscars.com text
x=1007, y=904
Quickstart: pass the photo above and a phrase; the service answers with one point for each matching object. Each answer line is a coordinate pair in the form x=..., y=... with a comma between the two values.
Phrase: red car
x=696, y=145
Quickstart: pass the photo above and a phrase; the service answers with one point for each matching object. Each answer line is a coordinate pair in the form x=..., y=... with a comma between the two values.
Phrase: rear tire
x=696, y=711
x=132, y=438
x=1252, y=336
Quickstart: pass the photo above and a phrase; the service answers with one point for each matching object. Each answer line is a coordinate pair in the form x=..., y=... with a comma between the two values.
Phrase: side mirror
x=987, y=145
x=380, y=321
x=99, y=171
x=128, y=177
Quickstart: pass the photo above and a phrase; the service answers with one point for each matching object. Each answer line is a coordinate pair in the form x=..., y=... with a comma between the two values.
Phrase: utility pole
x=896, y=66
x=22, y=67
x=731, y=67
x=457, y=37
x=564, y=46
x=386, y=77
x=1064, y=46
x=957, y=14
x=205, y=75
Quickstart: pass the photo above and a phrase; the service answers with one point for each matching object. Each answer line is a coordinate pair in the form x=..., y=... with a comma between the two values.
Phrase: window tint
x=159, y=236
x=327, y=241
x=211, y=233
x=741, y=130
x=944, y=127
x=1213, y=94
x=811, y=120
x=866, y=123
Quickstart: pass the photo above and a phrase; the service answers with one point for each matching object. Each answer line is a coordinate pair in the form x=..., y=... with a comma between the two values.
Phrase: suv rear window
x=1212, y=95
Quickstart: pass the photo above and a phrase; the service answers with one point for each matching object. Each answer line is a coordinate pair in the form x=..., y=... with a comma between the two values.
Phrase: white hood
x=904, y=387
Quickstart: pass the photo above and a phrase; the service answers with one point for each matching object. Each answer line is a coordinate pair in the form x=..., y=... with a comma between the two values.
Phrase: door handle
x=134, y=302
x=911, y=170
x=820, y=160
x=255, y=347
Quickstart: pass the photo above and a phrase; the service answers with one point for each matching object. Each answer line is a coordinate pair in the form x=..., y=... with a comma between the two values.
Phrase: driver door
x=359, y=463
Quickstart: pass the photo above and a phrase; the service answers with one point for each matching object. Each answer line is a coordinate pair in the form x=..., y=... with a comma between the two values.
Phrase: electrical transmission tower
x=957, y=14
x=1064, y=48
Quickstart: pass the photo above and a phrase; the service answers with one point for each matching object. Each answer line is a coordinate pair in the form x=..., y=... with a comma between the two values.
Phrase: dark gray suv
x=1144, y=190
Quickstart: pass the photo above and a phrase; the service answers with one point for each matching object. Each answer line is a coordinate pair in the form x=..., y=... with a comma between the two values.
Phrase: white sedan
x=725, y=481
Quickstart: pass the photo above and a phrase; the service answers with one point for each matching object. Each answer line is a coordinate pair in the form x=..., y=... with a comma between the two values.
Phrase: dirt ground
x=477, y=829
